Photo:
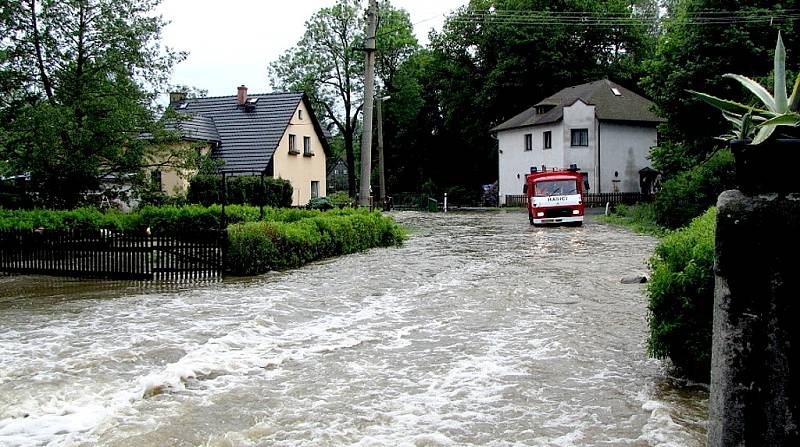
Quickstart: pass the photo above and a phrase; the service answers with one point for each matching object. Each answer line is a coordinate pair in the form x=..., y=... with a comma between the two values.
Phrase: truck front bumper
x=557, y=220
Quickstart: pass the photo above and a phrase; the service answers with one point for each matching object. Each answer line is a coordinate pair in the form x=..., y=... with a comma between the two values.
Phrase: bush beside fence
x=240, y=190
x=681, y=294
x=161, y=219
x=286, y=238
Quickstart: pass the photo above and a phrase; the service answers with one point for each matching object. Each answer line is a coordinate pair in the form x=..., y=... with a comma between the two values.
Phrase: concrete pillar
x=755, y=375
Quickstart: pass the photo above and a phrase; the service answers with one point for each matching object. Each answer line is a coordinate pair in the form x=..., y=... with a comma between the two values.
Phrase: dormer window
x=615, y=91
x=541, y=110
x=250, y=104
x=183, y=105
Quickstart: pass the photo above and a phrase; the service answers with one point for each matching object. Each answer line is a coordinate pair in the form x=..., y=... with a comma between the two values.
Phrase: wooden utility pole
x=369, y=92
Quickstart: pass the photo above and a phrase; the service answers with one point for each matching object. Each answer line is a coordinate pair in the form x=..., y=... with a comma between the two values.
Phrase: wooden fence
x=113, y=255
x=592, y=200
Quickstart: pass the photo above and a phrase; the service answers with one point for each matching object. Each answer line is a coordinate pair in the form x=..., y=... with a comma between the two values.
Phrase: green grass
x=640, y=218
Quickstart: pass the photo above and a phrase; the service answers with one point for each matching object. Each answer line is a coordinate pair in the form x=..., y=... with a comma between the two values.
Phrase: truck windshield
x=555, y=188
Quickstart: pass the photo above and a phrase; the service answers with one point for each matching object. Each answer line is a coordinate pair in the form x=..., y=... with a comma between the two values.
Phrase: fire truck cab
x=555, y=197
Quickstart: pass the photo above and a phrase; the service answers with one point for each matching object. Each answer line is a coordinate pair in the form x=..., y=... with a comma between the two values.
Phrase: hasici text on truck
x=554, y=197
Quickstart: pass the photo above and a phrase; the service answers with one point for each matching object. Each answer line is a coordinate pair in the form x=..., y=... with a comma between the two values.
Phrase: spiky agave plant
x=778, y=108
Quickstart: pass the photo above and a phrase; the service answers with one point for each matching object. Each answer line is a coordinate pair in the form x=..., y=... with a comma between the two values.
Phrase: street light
x=381, y=178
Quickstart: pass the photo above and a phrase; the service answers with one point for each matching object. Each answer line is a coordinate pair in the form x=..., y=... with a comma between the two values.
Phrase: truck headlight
x=540, y=214
x=576, y=212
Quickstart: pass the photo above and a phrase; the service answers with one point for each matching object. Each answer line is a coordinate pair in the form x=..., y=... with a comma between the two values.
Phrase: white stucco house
x=604, y=128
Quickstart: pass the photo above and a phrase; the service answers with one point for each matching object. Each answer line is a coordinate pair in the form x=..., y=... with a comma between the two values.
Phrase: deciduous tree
x=326, y=64
x=694, y=52
x=78, y=80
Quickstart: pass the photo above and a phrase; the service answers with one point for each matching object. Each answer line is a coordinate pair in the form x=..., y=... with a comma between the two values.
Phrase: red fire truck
x=554, y=197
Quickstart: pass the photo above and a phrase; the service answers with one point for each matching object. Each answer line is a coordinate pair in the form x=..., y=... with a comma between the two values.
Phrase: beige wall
x=174, y=182
x=301, y=169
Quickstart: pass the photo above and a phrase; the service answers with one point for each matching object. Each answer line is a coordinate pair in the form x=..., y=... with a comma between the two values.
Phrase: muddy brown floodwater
x=480, y=330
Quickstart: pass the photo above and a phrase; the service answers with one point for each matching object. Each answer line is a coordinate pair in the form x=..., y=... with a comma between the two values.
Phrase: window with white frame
x=528, y=142
x=547, y=139
x=314, y=189
x=579, y=137
x=307, y=151
x=293, y=144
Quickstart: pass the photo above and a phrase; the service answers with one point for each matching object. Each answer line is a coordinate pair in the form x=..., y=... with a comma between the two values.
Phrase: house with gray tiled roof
x=275, y=134
x=604, y=128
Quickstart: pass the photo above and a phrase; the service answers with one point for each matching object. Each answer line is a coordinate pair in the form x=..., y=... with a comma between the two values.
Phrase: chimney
x=242, y=96
x=176, y=97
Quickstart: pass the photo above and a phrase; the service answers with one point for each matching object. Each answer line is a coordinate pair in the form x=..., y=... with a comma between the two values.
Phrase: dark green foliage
x=320, y=203
x=481, y=69
x=694, y=57
x=258, y=247
x=340, y=199
x=160, y=198
x=331, y=70
x=465, y=196
x=241, y=190
x=158, y=218
x=681, y=294
x=689, y=193
x=77, y=79
x=80, y=218
x=14, y=195
x=286, y=238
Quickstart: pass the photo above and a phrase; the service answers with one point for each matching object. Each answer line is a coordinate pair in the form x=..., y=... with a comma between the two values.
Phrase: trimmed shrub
x=681, y=294
x=340, y=199
x=241, y=190
x=158, y=218
x=320, y=203
x=690, y=193
x=287, y=237
x=258, y=247
x=79, y=218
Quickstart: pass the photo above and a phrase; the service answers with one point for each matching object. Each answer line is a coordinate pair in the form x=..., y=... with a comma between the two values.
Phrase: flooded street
x=480, y=330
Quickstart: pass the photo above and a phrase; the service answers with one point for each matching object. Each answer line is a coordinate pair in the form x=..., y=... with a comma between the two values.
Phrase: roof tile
x=247, y=139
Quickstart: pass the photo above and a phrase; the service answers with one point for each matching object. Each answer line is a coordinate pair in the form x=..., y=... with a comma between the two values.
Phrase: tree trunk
x=351, y=162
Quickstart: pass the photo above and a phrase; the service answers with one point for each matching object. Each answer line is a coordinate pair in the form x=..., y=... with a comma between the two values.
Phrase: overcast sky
x=231, y=42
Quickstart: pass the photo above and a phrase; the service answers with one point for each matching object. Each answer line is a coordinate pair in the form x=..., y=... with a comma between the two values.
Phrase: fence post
x=445, y=202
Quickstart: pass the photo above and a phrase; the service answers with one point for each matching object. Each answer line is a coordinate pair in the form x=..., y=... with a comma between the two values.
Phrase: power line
x=705, y=17
x=585, y=18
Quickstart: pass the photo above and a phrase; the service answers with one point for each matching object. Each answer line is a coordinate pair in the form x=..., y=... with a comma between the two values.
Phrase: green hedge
x=681, y=294
x=79, y=218
x=690, y=193
x=241, y=190
x=157, y=218
x=258, y=247
x=286, y=238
